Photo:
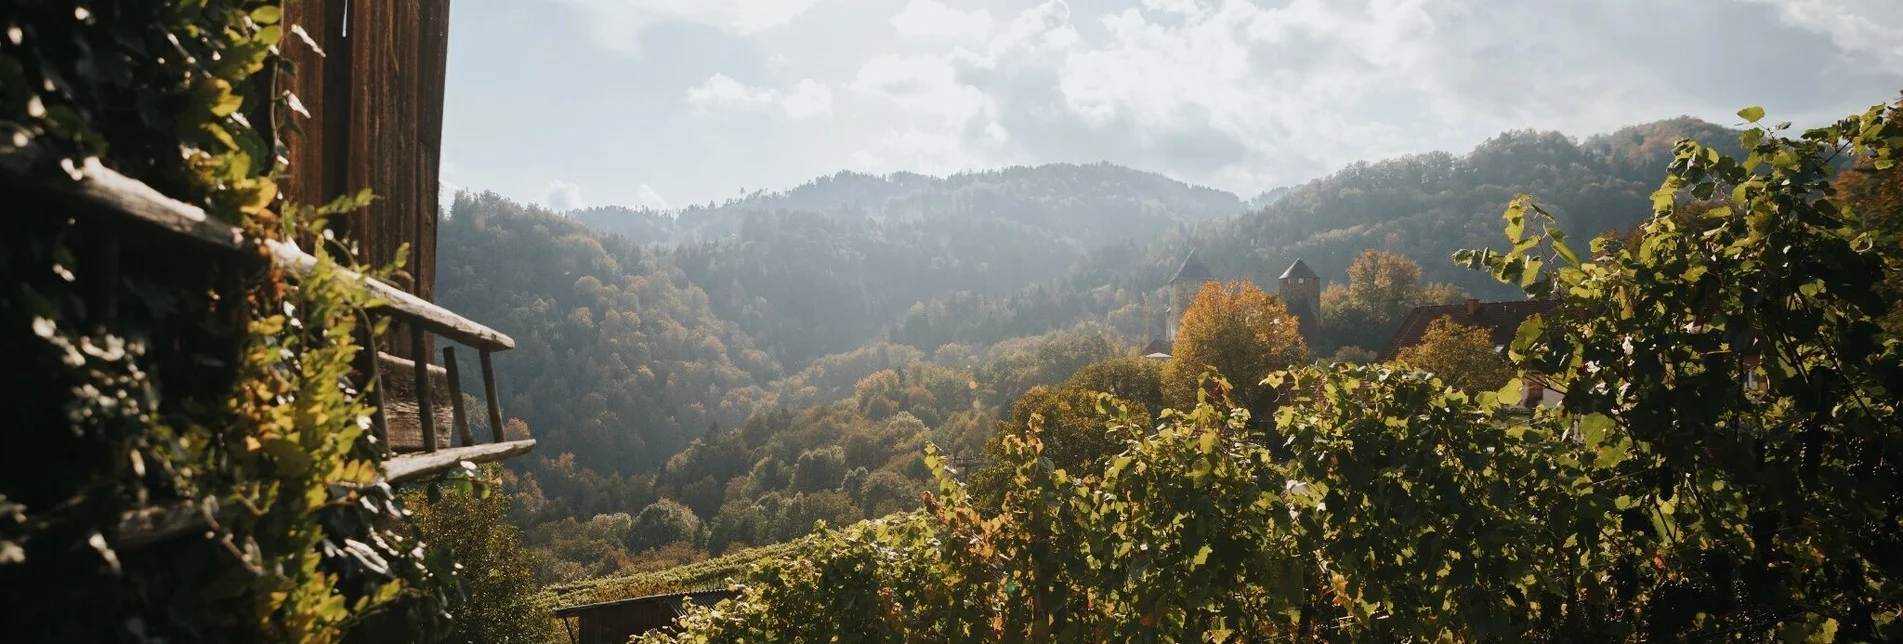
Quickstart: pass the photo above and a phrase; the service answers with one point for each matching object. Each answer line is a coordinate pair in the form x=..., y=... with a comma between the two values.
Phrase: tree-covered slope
x=1423, y=206
x=617, y=359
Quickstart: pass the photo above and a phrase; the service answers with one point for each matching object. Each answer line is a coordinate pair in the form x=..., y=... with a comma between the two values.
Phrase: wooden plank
x=307, y=181
x=402, y=421
x=102, y=192
x=153, y=524
x=408, y=307
x=489, y=396
x=424, y=413
x=456, y=414
x=413, y=466
x=432, y=55
x=385, y=73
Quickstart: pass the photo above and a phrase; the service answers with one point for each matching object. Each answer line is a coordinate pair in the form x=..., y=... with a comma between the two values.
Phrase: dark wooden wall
x=375, y=97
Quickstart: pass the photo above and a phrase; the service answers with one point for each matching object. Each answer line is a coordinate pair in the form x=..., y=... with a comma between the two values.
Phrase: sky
x=666, y=103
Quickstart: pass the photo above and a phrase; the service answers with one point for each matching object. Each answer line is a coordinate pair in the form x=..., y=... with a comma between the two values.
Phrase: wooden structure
x=369, y=85
x=616, y=621
x=371, y=77
x=1501, y=321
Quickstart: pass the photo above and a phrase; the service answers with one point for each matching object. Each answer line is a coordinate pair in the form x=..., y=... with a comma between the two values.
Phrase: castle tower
x=1302, y=291
x=1183, y=287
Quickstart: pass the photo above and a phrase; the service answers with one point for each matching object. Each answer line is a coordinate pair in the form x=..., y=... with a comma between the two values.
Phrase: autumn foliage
x=1463, y=356
x=1235, y=330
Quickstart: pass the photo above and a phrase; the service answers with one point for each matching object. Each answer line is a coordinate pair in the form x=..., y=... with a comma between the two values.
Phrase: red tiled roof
x=1500, y=319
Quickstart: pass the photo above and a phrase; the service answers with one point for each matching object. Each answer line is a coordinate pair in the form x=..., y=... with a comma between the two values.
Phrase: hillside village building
x=1300, y=289
x=1501, y=321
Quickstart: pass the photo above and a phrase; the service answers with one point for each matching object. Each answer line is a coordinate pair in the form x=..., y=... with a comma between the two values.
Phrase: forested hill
x=854, y=298
x=631, y=349
x=1087, y=205
x=1424, y=206
x=617, y=361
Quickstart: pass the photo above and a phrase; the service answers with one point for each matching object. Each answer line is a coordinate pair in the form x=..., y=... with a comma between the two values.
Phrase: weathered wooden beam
x=166, y=521
x=456, y=414
x=405, y=306
x=101, y=191
x=425, y=416
x=410, y=467
x=489, y=396
x=153, y=524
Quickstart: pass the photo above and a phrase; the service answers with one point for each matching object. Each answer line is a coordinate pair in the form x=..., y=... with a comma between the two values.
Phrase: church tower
x=1302, y=291
x=1183, y=287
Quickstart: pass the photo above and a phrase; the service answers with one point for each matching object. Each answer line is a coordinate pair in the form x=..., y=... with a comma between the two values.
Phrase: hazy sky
x=670, y=102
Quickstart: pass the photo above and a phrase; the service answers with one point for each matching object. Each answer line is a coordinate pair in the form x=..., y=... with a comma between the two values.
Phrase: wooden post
x=489, y=394
x=425, y=417
x=456, y=397
x=370, y=375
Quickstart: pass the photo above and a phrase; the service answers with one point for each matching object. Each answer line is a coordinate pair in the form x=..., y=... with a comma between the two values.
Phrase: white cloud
x=1872, y=28
x=921, y=86
x=808, y=99
x=1244, y=95
x=719, y=92
x=1184, y=7
x=563, y=196
x=618, y=25
x=646, y=197
x=929, y=18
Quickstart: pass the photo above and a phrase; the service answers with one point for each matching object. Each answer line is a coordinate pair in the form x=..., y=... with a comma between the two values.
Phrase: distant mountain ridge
x=1425, y=206
x=1093, y=204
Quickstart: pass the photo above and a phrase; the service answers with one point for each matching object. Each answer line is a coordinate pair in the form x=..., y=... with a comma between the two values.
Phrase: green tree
x=1463, y=356
x=497, y=575
x=1760, y=492
x=1132, y=378
x=1382, y=288
x=665, y=522
x=1067, y=422
x=1239, y=332
x=1353, y=355
x=819, y=469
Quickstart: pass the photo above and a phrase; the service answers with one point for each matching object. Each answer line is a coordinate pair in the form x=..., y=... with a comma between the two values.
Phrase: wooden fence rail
x=100, y=192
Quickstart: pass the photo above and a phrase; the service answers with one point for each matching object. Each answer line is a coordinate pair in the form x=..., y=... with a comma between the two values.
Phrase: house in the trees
x=1501, y=321
x=1183, y=287
x=1301, y=290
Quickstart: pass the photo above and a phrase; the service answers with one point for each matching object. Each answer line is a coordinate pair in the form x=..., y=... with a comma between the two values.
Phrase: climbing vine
x=150, y=374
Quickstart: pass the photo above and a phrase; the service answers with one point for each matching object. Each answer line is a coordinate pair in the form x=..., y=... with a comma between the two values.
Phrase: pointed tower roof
x=1298, y=269
x=1193, y=270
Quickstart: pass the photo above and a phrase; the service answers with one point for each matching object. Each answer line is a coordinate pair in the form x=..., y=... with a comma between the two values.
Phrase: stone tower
x=1302, y=292
x=1183, y=287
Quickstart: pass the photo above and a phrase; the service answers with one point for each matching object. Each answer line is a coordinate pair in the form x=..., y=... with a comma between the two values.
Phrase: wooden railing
x=97, y=191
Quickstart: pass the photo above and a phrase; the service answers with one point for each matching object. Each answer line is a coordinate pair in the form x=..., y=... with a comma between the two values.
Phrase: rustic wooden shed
x=615, y=621
x=368, y=80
